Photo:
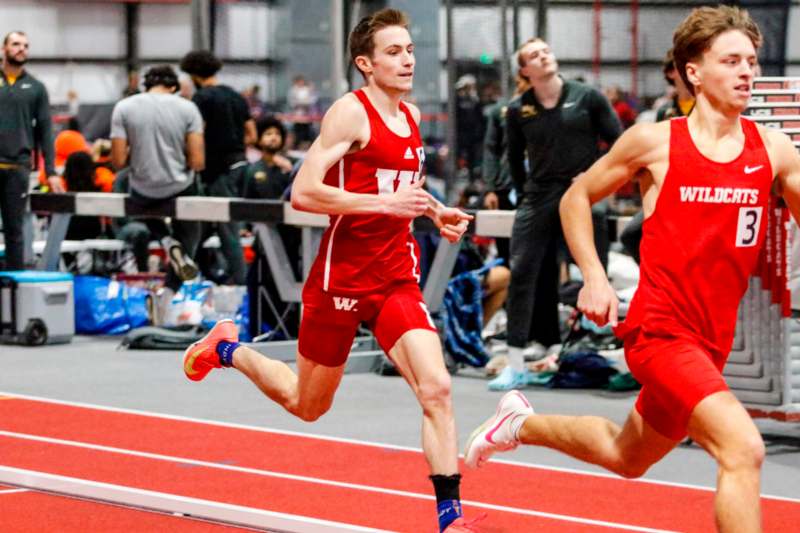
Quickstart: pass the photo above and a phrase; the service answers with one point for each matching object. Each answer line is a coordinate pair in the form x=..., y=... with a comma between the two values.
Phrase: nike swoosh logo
x=750, y=170
x=188, y=365
x=496, y=427
x=568, y=104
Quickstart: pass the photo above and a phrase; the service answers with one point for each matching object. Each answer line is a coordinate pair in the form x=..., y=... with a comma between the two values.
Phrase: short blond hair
x=695, y=35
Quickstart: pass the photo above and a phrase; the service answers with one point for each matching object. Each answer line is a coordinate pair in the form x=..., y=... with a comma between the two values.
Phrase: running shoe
x=182, y=264
x=201, y=357
x=510, y=379
x=495, y=435
x=463, y=525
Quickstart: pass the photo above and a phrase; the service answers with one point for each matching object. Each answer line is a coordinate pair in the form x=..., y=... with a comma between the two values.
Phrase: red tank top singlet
x=361, y=254
x=702, y=243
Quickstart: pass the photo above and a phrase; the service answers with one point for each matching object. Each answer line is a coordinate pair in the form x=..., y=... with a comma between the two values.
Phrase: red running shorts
x=330, y=320
x=676, y=374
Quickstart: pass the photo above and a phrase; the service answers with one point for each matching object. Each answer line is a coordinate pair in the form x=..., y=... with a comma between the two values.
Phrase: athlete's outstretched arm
x=786, y=164
x=597, y=300
x=344, y=126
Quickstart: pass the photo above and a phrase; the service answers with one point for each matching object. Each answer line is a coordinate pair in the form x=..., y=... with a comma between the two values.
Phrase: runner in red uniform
x=705, y=187
x=365, y=171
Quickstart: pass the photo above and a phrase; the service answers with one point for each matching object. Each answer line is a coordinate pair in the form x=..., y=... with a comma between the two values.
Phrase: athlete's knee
x=434, y=392
x=631, y=469
x=310, y=413
x=745, y=453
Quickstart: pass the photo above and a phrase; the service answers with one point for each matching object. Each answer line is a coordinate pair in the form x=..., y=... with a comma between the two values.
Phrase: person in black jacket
x=558, y=125
x=25, y=127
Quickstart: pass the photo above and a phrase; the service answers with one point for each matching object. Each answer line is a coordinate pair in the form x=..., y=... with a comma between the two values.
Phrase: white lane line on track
x=318, y=481
x=12, y=491
x=371, y=444
x=182, y=506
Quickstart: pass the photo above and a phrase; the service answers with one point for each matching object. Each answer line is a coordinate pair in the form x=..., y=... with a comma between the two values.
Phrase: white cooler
x=36, y=307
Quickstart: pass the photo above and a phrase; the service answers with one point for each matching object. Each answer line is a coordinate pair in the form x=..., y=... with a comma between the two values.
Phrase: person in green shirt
x=25, y=127
x=269, y=177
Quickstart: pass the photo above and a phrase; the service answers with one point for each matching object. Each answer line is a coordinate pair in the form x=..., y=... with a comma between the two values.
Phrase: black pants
x=504, y=244
x=533, y=294
x=13, y=199
x=228, y=185
x=537, y=246
x=186, y=232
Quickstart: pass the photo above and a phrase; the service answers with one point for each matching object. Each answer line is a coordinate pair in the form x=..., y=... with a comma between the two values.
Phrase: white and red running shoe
x=496, y=434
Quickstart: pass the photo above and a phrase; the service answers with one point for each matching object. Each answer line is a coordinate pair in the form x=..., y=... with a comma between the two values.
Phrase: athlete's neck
x=548, y=89
x=267, y=157
x=713, y=123
x=387, y=102
x=12, y=71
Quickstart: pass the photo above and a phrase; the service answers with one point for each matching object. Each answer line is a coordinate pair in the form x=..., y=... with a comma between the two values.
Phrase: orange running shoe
x=201, y=357
x=462, y=525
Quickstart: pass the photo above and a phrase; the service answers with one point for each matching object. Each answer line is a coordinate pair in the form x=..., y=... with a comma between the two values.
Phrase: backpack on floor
x=462, y=313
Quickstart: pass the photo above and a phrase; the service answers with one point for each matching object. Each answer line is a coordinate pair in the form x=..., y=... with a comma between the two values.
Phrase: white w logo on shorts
x=344, y=304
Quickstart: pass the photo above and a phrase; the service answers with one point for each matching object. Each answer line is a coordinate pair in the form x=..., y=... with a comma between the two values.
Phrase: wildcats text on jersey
x=719, y=195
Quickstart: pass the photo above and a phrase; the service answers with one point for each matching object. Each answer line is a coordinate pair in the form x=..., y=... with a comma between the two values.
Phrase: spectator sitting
x=79, y=176
x=160, y=136
x=67, y=142
x=104, y=171
x=270, y=176
x=270, y=179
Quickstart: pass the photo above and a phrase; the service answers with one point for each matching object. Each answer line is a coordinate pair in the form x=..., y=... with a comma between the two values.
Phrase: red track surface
x=576, y=495
x=35, y=512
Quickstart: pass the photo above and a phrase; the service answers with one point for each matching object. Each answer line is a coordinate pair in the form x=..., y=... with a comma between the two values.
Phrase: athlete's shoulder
x=771, y=136
x=779, y=146
x=648, y=134
x=414, y=110
x=347, y=113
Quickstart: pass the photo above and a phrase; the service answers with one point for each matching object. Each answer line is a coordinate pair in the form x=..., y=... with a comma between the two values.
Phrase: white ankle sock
x=515, y=424
x=516, y=359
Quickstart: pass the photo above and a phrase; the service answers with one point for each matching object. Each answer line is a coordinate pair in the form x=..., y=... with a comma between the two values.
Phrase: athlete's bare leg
x=418, y=357
x=308, y=394
x=628, y=451
x=496, y=288
x=722, y=427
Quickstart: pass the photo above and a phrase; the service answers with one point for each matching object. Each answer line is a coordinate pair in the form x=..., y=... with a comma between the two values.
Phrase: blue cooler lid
x=36, y=276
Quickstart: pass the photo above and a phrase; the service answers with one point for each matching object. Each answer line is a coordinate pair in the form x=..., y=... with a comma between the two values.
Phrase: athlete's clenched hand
x=598, y=302
x=408, y=202
x=452, y=222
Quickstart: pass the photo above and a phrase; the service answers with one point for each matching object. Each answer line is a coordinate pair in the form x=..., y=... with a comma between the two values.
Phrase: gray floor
x=368, y=407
